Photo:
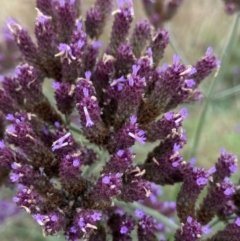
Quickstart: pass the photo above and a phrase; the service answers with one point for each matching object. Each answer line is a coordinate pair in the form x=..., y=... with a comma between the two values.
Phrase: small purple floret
x=10, y=117
x=96, y=216
x=62, y=3
x=139, y=213
x=162, y=69
x=14, y=177
x=229, y=191
x=80, y=44
x=175, y=164
x=85, y=92
x=41, y=19
x=54, y=218
x=88, y=75
x=223, y=151
x=16, y=199
x=11, y=129
x=63, y=47
x=124, y=230
x=168, y=116
x=192, y=161
x=233, y=168
x=97, y=44
x=135, y=69
x=56, y=85
x=133, y=119
x=193, y=71
x=81, y=223
x=209, y=51
x=2, y=145
x=106, y=180
x=206, y=229
x=201, y=181
x=14, y=166
x=39, y=218
x=184, y=113
x=176, y=59
x=176, y=147
x=149, y=52
x=131, y=81
x=120, y=153
x=237, y=222
x=190, y=83
x=189, y=219
x=76, y=163
x=212, y=170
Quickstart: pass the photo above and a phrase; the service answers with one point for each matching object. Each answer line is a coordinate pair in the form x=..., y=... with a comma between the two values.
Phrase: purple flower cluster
x=231, y=6
x=73, y=161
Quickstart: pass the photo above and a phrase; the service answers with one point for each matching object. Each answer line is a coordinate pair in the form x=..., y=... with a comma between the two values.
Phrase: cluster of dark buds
x=232, y=6
x=160, y=11
x=74, y=177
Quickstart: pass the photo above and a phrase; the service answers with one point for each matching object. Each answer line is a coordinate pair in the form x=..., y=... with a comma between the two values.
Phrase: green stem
x=226, y=93
x=202, y=119
x=153, y=213
x=67, y=120
x=75, y=129
x=216, y=220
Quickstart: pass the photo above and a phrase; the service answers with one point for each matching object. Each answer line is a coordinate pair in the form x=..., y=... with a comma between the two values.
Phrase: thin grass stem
x=226, y=93
x=225, y=53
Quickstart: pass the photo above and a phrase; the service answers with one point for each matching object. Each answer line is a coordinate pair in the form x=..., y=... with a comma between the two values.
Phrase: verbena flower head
x=75, y=158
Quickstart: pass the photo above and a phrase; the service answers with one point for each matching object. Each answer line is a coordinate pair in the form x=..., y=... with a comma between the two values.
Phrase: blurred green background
x=197, y=25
